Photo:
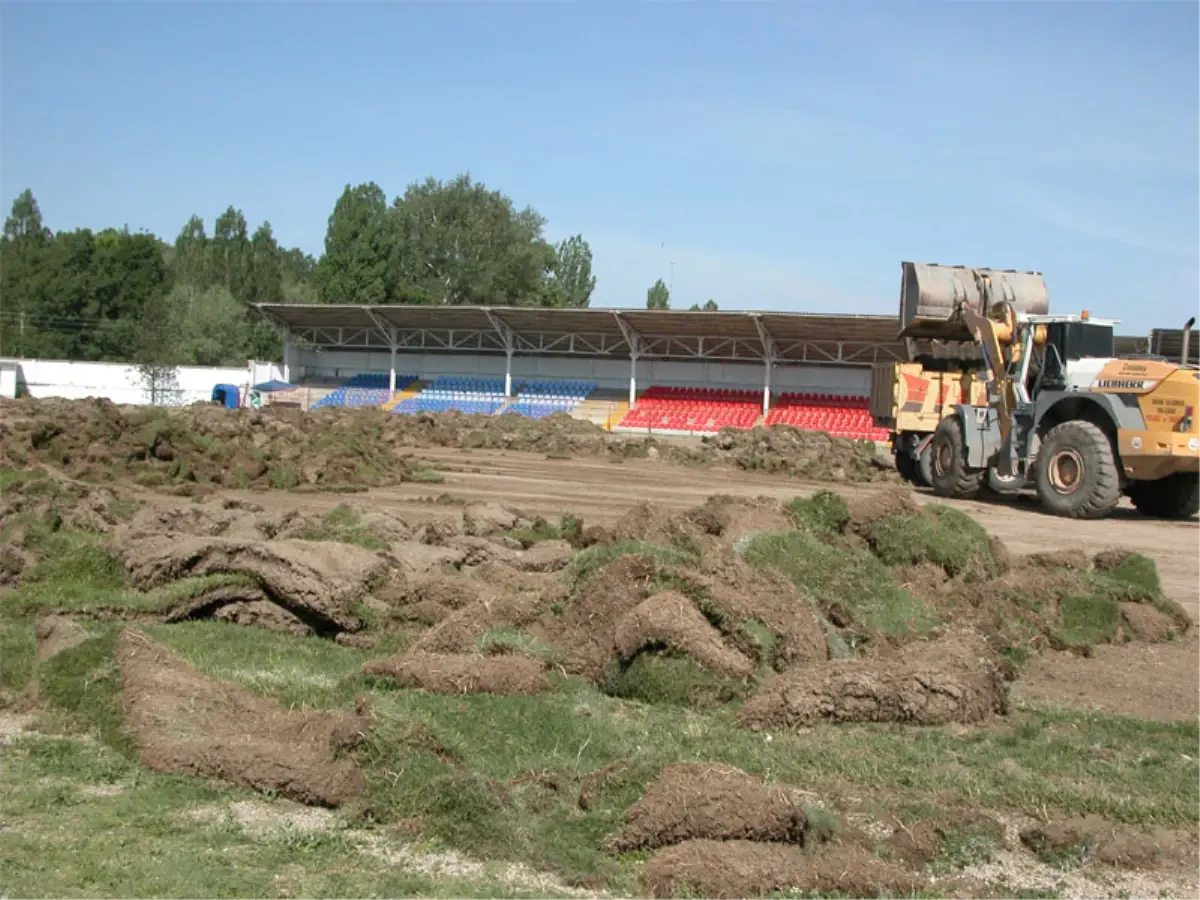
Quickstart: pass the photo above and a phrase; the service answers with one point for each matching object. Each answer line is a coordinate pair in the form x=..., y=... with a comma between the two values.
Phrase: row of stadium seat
x=364, y=389
x=711, y=409
x=694, y=409
x=486, y=396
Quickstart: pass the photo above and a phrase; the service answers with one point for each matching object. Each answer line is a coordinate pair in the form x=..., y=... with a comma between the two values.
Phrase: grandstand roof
x=655, y=334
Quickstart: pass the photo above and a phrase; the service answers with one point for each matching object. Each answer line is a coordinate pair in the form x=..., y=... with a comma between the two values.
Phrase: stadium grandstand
x=662, y=371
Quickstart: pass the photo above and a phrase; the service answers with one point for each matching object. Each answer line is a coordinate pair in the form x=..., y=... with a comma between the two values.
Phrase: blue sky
x=784, y=155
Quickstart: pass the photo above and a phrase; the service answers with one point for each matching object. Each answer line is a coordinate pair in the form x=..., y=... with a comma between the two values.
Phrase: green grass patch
x=1088, y=621
x=344, y=525
x=674, y=680
x=847, y=576
x=147, y=835
x=569, y=528
x=513, y=641
x=426, y=476
x=589, y=561
x=82, y=684
x=18, y=647
x=938, y=534
x=969, y=843
x=822, y=512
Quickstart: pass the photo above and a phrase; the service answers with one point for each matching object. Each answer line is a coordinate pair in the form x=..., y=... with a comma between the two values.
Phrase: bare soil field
x=280, y=654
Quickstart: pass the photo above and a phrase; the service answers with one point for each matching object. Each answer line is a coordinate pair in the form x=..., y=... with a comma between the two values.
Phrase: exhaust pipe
x=1187, y=339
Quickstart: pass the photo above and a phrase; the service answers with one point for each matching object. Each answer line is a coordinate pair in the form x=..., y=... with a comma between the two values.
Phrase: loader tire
x=949, y=474
x=1076, y=472
x=906, y=466
x=1174, y=497
x=1004, y=485
x=925, y=466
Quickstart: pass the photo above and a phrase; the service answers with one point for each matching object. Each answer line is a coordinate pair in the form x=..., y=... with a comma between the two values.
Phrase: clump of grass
x=823, y=512
x=569, y=528
x=283, y=476
x=511, y=640
x=671, y=679
x=18, y=647
x=344, y=525
x=938, y=534
x=970, y=843
x=764, y=641
x=83, y=683
x=847, y=576
x=1085, y=621
x=589, y=561
x=425, y=475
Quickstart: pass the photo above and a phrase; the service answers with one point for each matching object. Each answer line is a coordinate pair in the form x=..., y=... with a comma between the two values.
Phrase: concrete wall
x=608, y=373
x=8, y=380
x=124, y=384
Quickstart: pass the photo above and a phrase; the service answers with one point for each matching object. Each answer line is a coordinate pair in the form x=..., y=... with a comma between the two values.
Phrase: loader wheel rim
x=1066, y=471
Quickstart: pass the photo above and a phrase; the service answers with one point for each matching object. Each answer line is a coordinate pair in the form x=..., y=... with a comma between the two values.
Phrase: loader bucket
x=932, y=297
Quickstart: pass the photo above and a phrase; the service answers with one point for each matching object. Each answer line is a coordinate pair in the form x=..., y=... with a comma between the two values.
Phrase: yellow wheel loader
x=1061, y=412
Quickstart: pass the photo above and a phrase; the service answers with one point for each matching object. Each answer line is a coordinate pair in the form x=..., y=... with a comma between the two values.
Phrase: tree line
x=127, y=296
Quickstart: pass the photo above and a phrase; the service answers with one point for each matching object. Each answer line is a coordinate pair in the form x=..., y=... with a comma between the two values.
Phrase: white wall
x=608, y=373
x=124, y=384
x=8, y=380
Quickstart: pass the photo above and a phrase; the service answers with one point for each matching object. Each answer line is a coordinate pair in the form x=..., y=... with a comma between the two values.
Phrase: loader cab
x=1076, y=349
x=1073, y=353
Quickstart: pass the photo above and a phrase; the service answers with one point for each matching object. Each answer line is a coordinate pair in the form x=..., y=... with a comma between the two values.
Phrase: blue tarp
x=269, y=387
x=226, y=394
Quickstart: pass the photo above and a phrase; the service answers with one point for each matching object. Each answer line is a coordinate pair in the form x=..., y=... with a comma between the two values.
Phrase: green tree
x=710, y=305
x=229, y=254
x=457, y=242
x=207, y=327
x=23, y=268
x=297, y=271
x=658, y=296
x=354, y=268
x=154, y=351
x=190, y=260
x=572, y=281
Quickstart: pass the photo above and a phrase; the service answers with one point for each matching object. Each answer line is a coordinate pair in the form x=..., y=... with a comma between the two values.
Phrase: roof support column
x=769, y=357
x=506, y=336
x=389, y=333
x=392, y=364
x=635, y=347
x=287, y=355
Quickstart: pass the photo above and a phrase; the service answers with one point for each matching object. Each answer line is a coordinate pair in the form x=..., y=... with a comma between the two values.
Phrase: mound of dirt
x=954, y=679
x=585, y=629
x=720, y=516
x=732, y=869
x=45, y=500
x=739, y=594
x=434, y=598
x=186, y=723
x=286, y=447
x=670, y=619
x=462, y=674
x=710, y=800
x=1110, y=843
x=804, y=454
x=317, y=582
x=278, y=447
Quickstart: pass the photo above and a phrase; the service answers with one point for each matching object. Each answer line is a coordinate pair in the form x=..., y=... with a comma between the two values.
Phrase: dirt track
x=601, y=491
